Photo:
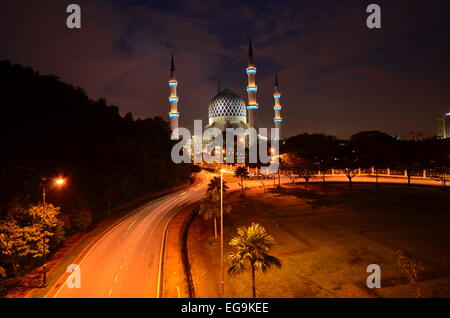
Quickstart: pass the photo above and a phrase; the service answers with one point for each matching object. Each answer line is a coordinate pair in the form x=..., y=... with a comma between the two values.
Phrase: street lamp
x=222, y=277
x=58, y=182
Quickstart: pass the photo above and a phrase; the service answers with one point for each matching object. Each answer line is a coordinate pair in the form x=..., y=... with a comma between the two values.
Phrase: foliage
x=26, y=233
x=13, y=243
x=210, y=208
x=252, y=245
x=50, y=127
x=242, y=173
x=214, y=184
x=2, y=280
x=441, y=169
x=263, y=185
x=371, y=149
x=303, y=167
x=82, y=219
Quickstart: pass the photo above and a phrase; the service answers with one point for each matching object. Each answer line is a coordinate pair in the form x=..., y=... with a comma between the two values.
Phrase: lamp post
x=222, y=272
x=58, y=182
x=272, y=152
x=279, y=171
x=44, y=271
x=222, y=278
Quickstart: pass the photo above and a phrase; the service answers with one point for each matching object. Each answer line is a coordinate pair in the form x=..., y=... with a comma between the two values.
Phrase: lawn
x=326, y=237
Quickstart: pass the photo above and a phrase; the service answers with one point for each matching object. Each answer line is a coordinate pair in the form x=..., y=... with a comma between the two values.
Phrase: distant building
x=443, y=127
x=413, y=136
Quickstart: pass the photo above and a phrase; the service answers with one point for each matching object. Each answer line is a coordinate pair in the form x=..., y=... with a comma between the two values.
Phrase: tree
x=301, y=166
x=129, y=158
x=350, y=173
x=305, y=168
x=82, y=219
x=29, y=233
x=289, y=163
x=261, y=181
x=210, y=208
x=241, y=172
x=410, y=158
x=48, y=227
x=14, y=243
x=2, y=277
x=319, y=148
x=214, y=184
x=252, y=245
x=373, y=149
x=349, y=163
x=441, y=168
x=442, y=174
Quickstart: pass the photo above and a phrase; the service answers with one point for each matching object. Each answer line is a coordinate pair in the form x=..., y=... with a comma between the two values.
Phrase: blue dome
x=227, y=104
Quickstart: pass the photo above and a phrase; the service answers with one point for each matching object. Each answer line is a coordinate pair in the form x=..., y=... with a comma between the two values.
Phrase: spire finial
x=277, y=85
x=250, y=52
x=172, y=67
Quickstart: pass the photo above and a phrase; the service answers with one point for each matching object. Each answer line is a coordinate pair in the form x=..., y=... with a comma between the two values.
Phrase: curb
x=184, y=251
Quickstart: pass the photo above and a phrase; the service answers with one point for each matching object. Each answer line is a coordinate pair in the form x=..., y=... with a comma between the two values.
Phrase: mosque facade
x=227, y=109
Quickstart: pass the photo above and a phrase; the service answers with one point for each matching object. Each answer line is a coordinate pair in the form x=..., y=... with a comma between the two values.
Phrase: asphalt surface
x=126, y=261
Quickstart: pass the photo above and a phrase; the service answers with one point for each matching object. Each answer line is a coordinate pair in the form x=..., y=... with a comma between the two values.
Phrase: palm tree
x=252, y=244
x=214, y=184
x=210, y=208
x=241, y=172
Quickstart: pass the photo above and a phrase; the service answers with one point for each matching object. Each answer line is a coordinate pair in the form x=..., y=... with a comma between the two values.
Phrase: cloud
x=336, y=75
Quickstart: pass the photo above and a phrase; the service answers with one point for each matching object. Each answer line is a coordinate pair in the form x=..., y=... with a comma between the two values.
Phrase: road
x=125, y=262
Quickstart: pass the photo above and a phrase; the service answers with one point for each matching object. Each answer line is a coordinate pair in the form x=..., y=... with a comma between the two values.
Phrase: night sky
x=336, y=75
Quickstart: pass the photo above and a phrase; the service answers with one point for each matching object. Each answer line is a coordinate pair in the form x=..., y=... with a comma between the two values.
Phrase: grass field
x=327, y=235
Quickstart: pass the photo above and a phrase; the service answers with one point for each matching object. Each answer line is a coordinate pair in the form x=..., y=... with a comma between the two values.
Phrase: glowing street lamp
x=222, y=280
x=59, y=182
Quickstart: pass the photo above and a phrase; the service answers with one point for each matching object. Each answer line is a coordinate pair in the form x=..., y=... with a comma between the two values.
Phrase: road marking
x=170, y=202
x=163, y=240
x=131, y=224
x=113, y=227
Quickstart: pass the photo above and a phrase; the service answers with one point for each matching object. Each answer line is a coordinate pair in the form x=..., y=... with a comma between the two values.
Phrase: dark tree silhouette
x=242, y=173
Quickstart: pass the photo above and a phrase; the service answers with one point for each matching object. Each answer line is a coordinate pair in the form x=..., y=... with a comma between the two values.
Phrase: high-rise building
x=443, y=129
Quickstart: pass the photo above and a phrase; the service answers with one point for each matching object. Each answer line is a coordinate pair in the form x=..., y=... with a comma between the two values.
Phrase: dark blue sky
x=336, y=76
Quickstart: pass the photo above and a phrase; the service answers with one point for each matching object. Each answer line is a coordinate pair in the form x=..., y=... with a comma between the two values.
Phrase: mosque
x=227, y=109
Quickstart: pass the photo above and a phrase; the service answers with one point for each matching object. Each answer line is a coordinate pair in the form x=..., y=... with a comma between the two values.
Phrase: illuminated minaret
x=173, y=99
x=252, y=105
x=277, y=108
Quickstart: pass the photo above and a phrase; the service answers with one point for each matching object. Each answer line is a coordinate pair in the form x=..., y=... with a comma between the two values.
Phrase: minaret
x=252, y=105
x=277, y=108
x=173, y=99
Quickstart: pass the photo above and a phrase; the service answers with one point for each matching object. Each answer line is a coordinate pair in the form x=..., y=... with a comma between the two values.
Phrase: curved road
x=125, y=261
